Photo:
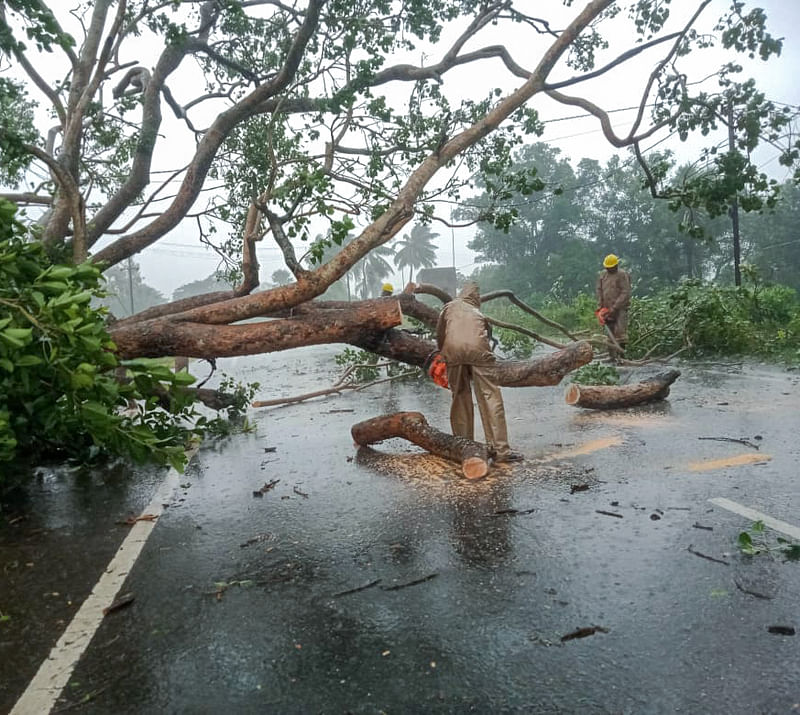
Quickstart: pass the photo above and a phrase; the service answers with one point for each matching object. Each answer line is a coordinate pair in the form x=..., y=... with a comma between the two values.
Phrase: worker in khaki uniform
x=463, y=335
x=613, y=299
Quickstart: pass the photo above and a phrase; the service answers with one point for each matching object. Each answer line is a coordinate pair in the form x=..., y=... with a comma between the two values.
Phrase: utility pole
x=734, y=210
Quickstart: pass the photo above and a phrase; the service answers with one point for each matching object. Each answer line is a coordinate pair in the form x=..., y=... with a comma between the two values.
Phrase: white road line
x=42, y=692
x=753, y=515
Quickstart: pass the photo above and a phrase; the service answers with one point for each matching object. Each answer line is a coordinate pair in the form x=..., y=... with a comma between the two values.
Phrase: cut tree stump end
x=474, y=467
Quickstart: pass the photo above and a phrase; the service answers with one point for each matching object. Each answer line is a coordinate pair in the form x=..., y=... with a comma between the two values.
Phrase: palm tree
x=416, y=250
x=371, y=271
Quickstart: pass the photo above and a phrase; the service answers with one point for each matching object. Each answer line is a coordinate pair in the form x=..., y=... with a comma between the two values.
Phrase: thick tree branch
x=624, y=57
x=208, y=147
x=315, y=282
x=166, y=337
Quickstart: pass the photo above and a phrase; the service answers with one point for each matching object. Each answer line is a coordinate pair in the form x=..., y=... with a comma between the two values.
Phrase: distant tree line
x=552, y=241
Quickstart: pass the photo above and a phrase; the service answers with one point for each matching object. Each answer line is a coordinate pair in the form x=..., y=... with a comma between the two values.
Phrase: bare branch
x=27, y=198
x=207, y=148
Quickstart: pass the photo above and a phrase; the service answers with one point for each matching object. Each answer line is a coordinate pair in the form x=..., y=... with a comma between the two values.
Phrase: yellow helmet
x=610, y=261
x=387, y=288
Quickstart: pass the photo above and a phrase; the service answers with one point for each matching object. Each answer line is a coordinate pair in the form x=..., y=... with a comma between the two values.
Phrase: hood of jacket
x=471, y=294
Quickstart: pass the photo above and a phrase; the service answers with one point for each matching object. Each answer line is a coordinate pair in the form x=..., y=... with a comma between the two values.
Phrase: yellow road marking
x=707, y=465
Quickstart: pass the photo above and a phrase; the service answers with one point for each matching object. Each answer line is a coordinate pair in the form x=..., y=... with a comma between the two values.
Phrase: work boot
x=510, y=456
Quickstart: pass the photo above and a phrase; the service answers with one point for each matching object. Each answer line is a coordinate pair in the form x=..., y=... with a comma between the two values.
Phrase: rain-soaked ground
x=381, y=581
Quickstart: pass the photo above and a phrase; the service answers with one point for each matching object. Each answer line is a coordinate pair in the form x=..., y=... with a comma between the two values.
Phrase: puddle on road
x=707, y=465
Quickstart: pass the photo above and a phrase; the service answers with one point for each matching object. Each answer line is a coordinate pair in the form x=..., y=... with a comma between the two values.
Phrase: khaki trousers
x=463, y=380
x=619, y=329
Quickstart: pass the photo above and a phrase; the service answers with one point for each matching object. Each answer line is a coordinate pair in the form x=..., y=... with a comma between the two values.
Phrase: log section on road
x=609, y=397
x=473, y=456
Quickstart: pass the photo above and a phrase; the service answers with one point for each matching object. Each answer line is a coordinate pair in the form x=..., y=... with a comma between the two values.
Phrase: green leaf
x=28, y=360
x=7, y=365
x=183, y=378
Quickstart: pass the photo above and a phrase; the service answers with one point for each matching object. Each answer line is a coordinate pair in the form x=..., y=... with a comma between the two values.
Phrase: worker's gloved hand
x=602, y=315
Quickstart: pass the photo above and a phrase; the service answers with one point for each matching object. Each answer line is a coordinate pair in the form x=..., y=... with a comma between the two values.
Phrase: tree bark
x=540, y=372
x=165, y=336
x=609, y=397
x=473, y=456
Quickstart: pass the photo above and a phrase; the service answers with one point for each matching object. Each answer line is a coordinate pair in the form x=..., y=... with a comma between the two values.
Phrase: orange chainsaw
x=436, y=368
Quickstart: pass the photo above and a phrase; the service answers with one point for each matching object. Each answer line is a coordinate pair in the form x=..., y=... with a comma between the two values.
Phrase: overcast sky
x=179, y=257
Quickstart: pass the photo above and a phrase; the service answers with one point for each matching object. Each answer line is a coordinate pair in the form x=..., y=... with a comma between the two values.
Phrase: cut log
x=609, y=397
x=473, y=456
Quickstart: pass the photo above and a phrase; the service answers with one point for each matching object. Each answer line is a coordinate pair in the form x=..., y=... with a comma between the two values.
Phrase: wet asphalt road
x=380, y=581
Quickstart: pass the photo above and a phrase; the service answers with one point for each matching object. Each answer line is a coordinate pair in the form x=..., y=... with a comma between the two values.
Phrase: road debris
x=126, y=599
x=745, y=442
x=608, y=513
x=410, y=583
x=357, y=589
x=578, y=488
x=267, y=486
x=258, y=538
x=704, y=556
x=781, y=630
x=513, y=512
x=583, y=633
x=131, y=520
x=751, y=593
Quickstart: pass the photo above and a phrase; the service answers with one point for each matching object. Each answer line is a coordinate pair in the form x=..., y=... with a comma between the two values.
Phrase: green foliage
x=367, y=366
x=513, y=343
x=753, y=542
x=364, y=363
x=717, y=320
x=596, y=373
x=16, y=131
x=59, y=386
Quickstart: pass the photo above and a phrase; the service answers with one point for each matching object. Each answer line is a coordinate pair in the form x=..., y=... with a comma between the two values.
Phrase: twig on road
x=410, y=583
x=703, y=556
x=357, y=589
x=745, y=442
x=751, y=593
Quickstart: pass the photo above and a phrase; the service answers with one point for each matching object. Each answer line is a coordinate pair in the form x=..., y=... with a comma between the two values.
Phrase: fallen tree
x=286, y=130
x=610, y=397
x=412, y=426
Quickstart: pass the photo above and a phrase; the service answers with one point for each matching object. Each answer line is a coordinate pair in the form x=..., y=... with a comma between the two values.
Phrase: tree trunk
x=473, y=456
x=168, y=336
x=548, y=370
x=365, y=324
x=609, y=397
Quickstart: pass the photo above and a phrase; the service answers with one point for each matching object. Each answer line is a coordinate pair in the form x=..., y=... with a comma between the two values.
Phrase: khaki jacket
x=614, y=290
x=462, y=332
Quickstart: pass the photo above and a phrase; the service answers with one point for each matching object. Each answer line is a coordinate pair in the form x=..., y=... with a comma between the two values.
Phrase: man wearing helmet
x=386, y=290
x=614, y=295
x=463, y=335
